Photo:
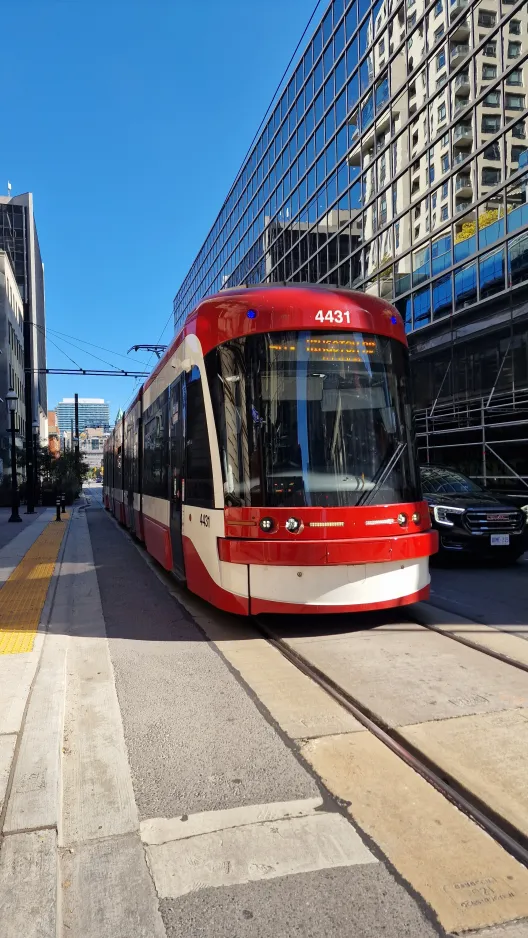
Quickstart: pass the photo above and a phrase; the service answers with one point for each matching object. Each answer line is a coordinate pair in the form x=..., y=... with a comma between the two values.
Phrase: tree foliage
x=62, y=474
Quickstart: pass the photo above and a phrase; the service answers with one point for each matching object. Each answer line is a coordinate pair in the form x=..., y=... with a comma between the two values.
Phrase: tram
x=268, y=461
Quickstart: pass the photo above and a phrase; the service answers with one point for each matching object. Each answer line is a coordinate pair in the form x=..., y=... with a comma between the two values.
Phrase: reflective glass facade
x=396, y=162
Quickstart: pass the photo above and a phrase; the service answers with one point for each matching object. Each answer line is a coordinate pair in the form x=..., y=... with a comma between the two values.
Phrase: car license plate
x=500, y=540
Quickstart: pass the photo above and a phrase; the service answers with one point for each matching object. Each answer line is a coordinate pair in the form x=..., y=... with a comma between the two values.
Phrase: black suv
x=472, y=521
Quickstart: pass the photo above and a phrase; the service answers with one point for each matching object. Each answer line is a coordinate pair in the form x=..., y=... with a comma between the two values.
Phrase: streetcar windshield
x=313, y=419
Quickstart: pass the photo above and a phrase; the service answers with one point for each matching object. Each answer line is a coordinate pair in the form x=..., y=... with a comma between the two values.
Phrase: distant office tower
x=395, y=162
x=93, y=413
x=19, y=239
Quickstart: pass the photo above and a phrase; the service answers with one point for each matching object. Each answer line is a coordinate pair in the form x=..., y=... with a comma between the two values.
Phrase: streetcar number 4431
x=333, y=315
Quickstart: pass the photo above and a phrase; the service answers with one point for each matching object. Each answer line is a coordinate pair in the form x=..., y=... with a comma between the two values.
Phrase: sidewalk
x=10, y=530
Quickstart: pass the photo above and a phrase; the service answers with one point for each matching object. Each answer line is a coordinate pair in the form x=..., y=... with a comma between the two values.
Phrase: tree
x=61, y=475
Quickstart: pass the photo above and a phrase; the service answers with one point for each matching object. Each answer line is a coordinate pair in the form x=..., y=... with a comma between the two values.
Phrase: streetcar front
x=320, y=481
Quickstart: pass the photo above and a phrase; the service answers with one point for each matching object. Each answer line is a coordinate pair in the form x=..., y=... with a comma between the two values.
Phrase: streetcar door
x=130, y=462
x=177, y=451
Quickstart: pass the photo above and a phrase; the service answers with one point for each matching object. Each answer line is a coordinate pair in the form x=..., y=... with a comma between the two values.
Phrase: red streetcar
x=269, y=458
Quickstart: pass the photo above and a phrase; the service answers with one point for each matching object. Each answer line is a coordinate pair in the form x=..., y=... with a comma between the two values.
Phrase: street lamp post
x=36, y=480
x=11, y=401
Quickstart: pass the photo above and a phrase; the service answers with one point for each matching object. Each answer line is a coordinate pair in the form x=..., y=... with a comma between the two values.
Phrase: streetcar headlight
x=266, y=524
x=293, y=525
x=417, y=517
x=402, y=519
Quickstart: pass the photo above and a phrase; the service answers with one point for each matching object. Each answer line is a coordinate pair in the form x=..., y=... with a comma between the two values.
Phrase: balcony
x=460, y=157
x=462, y=83
x=464, y=186
x=463, y=133
x=456, y=7
x=463, y=205
x=458, y=52
x=460, y=105
x=461, y=30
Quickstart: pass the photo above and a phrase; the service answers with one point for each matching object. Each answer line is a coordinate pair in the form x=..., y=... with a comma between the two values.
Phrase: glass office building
x=94, y=412
x=396, y=162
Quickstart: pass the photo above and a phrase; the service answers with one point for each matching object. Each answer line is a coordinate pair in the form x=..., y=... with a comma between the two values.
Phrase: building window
x=438, y=33
x=516, y=152
x=445, y=141
x=487, y=18
x=431, y=174
x=490, y=177
x=515, y=27
x=438, y=7
x=490, y=49
x=515, y=102
x=442, y=113
x=445, y=190
x=519, y=130
x=411, y=20
x=433, y=200
x=492, y=152
x=440, y=60
x=445, y=163
x=514, y=50
x=492, y=99
x=489, y=72
x=515, y=77
x=490, y=123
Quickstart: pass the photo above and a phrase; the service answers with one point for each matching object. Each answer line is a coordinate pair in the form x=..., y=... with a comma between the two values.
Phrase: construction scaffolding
x=485, y=437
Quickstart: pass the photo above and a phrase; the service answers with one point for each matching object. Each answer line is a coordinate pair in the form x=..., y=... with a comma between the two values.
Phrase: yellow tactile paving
x=23, y=595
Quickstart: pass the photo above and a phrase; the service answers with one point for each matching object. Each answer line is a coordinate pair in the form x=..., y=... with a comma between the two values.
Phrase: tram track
x=490, y=652
x=504, y=833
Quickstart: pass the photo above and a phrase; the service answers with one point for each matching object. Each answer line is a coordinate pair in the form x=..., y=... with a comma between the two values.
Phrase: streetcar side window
x=199, y=472
x=156, y=448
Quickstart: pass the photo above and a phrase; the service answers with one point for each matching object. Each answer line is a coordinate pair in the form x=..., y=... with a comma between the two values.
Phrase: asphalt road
x=493, y=595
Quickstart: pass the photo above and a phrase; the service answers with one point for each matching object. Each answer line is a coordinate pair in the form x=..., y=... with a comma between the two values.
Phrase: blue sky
x=128, y=120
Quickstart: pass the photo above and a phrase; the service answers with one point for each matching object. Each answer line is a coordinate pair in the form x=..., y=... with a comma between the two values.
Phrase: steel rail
x=501, y=830
x=499, y=655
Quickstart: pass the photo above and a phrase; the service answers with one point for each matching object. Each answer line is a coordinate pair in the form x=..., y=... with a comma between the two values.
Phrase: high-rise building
x=395, y=161
x=19, y=239
x=11, y=362
x=93, y=413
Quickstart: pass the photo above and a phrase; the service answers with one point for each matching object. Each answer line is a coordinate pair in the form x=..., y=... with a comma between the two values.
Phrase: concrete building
x=53, y=434
x=94, y=412
x=19, y=239
x=395, y=162
x=91, y=446
x=11, y=362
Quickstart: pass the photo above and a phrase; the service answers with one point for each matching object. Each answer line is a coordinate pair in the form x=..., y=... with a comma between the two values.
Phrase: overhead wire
x=94, y=345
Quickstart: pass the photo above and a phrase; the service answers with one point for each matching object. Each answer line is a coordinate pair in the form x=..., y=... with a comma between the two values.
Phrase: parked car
x=471, y=520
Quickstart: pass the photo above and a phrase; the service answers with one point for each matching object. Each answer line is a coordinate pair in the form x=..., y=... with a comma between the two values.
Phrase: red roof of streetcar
x=278, y=308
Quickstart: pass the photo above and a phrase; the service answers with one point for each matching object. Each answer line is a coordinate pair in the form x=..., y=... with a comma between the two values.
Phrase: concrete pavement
x=166, y=771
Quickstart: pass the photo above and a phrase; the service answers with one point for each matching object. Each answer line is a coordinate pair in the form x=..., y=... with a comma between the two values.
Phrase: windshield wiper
x=382, y=474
